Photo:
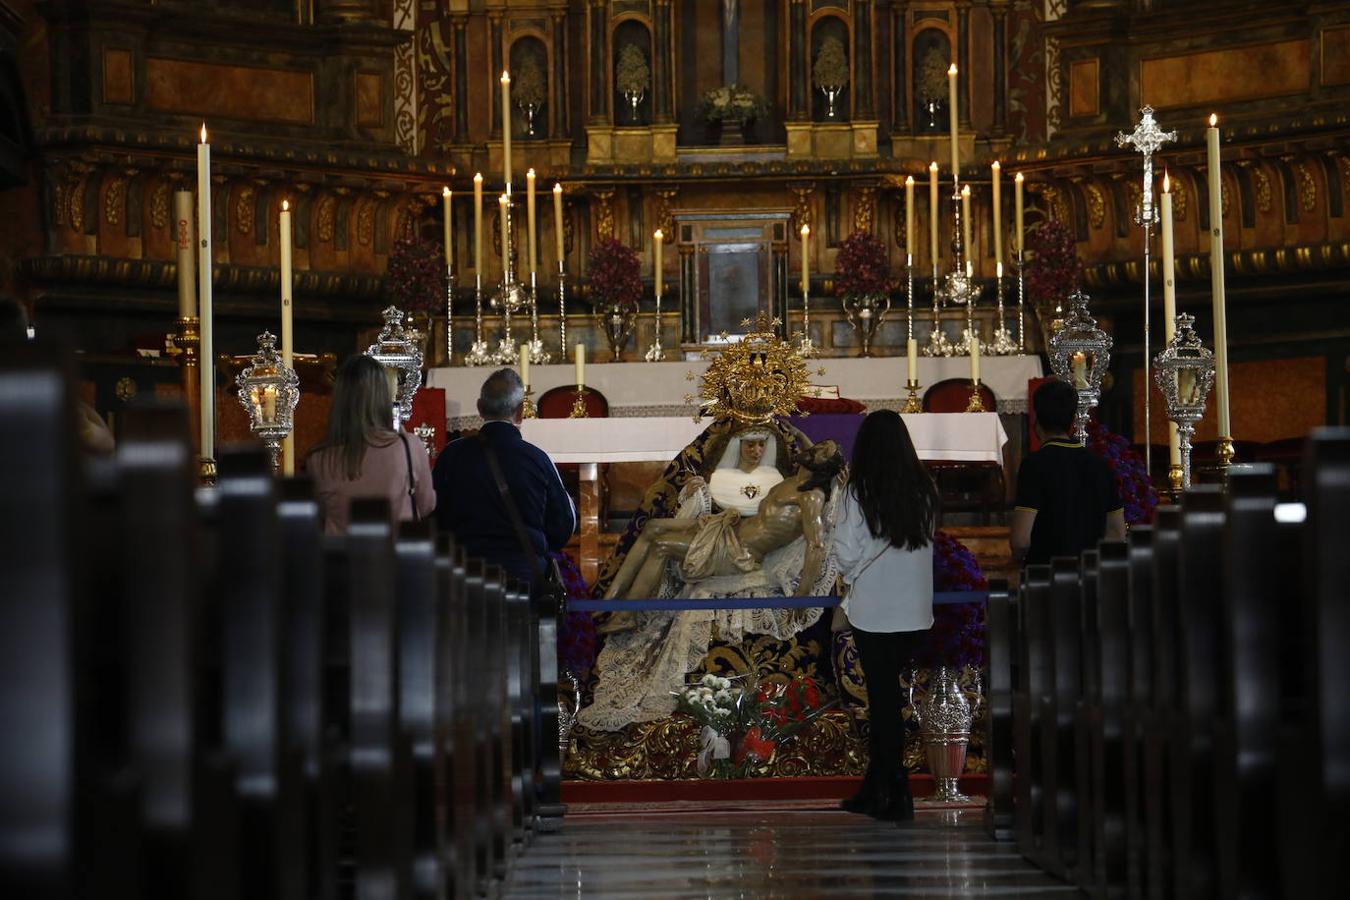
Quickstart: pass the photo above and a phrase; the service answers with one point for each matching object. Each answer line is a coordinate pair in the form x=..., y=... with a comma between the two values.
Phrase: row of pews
x=201, y=696
x=1168, y=715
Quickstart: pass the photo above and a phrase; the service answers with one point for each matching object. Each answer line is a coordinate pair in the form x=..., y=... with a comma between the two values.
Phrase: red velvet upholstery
x=953, y=396
x=557, y=403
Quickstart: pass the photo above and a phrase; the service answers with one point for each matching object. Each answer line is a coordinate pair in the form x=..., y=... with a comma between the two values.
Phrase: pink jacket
x=384, y=473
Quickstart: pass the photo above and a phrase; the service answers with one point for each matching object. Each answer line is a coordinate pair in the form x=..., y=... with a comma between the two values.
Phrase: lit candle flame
x=806, y=229
x=285, y=205
x=659, y=236
x=445, y=192
x=1018, y=177
x=996, y=166
x=557, y=187
x=506, y=77
x=965, y=190
x=1213, y=120
x=909, y=179
x=1167, y=182
x=932, y=167
x=203, y=132
x=478, y=178
x=952, y=70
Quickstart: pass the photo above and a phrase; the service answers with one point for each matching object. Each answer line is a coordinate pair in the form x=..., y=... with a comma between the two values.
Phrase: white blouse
x=890, y=588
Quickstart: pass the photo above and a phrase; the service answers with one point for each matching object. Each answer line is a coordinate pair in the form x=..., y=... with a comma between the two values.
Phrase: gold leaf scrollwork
x=604, y=212
x=1180, y=200
x=327, y=218
x=243, y=210
x=365, y=223
x=75, y=203
x=1307, y=188
x=864, y=208
x=1096, y=205
x=801, y=206
x=1263, y=192
x=114, y=200
x=665, y=204
x=1227, y=198
x=159, y=205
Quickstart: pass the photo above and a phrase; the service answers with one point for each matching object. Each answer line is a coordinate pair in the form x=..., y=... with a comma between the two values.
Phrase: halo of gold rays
x=754, y=379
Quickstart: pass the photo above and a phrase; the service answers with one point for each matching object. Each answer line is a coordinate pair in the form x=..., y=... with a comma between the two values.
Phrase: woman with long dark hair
x=362, y=456
x=883, y=541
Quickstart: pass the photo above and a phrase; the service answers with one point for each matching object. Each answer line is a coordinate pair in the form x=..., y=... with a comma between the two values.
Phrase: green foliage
x=632, y=76
x=830, y=69
x=732, y=103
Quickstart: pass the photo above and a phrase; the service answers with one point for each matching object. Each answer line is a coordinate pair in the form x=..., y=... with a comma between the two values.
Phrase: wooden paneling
x=119, y=85
x=369, y=91
x=1084, y=88
x=1215, y=76
x=1336, y=55
x=233, y=92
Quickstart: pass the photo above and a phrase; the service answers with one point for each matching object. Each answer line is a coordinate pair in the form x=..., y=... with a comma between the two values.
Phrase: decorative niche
x=831, y=73
x=529, y=89
x=929, y=94
x=632, y=64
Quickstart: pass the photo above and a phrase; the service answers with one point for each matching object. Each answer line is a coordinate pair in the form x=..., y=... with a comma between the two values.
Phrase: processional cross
x=1147, y=138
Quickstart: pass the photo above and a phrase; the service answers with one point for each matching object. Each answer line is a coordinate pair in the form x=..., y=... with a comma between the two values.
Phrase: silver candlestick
x=479, y=354
x=1021, y=301
x=937, y=345
x=1002, y=343
x=1147, y=138
x=655, y=353
x=538, y=355
x=449, y=313
x=511, y=296
x=806, y=348
x=562, y=310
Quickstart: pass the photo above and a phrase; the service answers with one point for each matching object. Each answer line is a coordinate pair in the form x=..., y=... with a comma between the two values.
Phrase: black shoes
x=889, y=805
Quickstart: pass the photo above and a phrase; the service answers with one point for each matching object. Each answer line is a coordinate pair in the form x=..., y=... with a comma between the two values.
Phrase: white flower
x=723, y=696
x=710, y=679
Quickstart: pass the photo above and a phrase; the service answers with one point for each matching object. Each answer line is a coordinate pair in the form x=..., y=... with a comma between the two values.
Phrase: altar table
x=949, y=437
x=659, y=389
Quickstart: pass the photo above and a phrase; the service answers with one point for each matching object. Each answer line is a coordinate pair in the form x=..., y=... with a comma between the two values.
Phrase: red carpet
x=825, y=791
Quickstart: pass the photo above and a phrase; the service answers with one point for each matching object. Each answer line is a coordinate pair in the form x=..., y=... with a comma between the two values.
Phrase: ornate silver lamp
x=269, y=391
x=1184, y=372
x=394, y=350
x=945, y=717
x=1080, y=353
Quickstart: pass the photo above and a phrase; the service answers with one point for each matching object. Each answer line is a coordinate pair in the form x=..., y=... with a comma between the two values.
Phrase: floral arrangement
x=415, y=277
x=1054, y=270
x=576, y=632
x=932, y=82
x=615, y=275
x=862, y=269
x=829, y=71
x=1136, y=488
x=743, y=724
x=732, y=103
x=632, y=75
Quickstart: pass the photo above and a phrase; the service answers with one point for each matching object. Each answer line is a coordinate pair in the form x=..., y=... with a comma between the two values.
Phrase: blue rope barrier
x=677, y=603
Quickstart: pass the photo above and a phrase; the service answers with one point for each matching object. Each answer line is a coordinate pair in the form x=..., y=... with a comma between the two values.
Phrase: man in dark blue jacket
x=469, y=503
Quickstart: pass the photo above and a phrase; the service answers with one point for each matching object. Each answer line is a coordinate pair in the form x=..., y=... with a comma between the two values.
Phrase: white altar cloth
x=659, y=389
x=950, y=437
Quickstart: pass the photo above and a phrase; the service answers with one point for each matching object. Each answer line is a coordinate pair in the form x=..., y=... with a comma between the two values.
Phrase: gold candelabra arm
x=579, y=410
x=912, y=402
x=976, y=404
x=527, y=410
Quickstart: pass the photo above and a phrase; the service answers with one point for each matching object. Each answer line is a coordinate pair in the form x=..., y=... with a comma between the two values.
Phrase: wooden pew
x=1138, y=706
x=456, y=697
x=267, y=789
x=1162, y=701
x=1112, y=779
x=1198, y=600
x=1087, y=726
x=520, y=702
x=476, y=723
x=1260, y=562
x=497, y=719
x=999, y=678
x=548, y=779
x=1033, y=687
x=1061, y=800
x=420, y=607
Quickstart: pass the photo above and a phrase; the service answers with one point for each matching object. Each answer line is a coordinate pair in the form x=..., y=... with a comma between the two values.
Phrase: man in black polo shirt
x=1067, y=499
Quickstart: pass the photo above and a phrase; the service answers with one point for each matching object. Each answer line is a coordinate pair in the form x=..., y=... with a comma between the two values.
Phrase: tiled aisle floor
x=774, y=854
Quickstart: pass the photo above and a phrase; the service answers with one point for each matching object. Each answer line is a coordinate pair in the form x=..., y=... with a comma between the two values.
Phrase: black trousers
x=884, y=655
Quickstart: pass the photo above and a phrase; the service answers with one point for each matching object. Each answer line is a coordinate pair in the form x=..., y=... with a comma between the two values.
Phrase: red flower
x=862, y=268
x=754, y=747
x=615, y=275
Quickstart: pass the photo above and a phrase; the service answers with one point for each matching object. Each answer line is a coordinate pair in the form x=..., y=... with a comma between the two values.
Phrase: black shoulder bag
x=550, y=590
x=412, y=484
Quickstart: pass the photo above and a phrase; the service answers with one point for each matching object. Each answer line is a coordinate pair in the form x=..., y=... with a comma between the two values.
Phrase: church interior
x=699, y=230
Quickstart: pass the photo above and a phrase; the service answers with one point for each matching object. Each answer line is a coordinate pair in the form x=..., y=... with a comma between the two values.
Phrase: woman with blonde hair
x=362, y=456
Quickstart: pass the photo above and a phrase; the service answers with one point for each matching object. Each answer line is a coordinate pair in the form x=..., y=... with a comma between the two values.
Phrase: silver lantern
x=269, y=391
x=395, y=349
x=1080, y=353
x=1184, y=372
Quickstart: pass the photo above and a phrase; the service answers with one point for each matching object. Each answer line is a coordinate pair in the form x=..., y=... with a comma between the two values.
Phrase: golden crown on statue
x=755, y=378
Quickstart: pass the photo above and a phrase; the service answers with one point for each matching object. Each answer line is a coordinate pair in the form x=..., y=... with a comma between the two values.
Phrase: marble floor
x=778, y=853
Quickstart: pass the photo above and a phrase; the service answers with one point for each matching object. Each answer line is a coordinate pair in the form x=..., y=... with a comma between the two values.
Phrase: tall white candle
x=951, y=117
x=502, y=201
x=933, y=212
x=1169, y=303
x=966, y=231
x=1019, y=201
x=998, y=211
x=478, y=223
x=207, y=355
x=449, y=227
x=974, y=359
x=186, y=254
x=912, y=360
x=558, y=219
x=530, y=220
x=506, y=129
x=658, y=239
x=287, y=323
x=579, y=354
x=1216, y=277
x=806, y=260
x=909, y=219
